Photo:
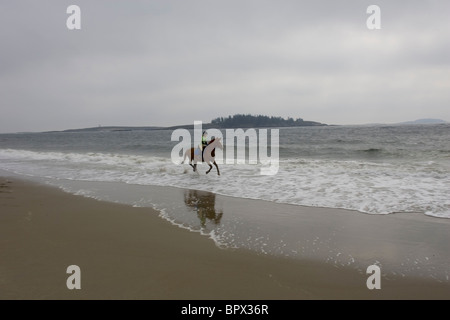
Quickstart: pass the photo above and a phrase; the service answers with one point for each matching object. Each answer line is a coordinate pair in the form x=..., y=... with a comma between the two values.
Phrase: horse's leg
x=190, y=163
x=218, y=172
x=210, y=167
x=193, y=160
x=195, y=167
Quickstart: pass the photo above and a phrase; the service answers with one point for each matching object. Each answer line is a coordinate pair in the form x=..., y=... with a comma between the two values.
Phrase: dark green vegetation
x=247, y=120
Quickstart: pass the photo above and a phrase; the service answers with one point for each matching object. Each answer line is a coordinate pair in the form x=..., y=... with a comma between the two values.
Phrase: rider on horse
x=193, y=153
x=204, y=143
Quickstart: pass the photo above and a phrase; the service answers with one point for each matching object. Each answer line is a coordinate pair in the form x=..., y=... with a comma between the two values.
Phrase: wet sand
x=131, y=253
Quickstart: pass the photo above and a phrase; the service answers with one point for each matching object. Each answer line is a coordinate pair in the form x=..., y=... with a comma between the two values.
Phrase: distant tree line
x=247, y=121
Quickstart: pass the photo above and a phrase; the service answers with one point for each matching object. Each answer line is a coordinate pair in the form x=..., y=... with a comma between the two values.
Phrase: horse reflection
x=204, y=204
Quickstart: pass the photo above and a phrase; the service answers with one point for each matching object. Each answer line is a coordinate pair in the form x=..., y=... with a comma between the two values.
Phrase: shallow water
x=372, y=169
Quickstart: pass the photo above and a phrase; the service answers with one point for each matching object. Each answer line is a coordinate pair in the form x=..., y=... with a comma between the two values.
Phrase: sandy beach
x=131, y=253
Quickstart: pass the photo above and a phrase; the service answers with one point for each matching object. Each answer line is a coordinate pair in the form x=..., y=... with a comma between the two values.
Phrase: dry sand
x=131, y=253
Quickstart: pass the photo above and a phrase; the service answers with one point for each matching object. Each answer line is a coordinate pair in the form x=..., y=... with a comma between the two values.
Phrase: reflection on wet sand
x=204, y=204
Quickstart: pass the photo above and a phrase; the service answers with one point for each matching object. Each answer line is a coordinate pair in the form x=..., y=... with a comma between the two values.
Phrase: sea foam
x=364, y=186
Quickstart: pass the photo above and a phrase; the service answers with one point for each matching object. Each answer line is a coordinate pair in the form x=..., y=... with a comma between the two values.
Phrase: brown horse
x=208, y=155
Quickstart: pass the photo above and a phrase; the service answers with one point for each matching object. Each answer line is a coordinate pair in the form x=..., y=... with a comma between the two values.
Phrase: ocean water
x=370, y=169
x=376, y=170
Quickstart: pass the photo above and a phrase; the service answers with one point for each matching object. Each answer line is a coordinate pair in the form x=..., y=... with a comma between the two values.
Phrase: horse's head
x=218, y=143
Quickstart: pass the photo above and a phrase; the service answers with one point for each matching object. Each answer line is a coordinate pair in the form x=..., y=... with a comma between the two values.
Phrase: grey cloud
x=170, y=62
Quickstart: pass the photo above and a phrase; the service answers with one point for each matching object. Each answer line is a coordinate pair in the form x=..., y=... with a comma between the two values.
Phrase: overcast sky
x=143, y=63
